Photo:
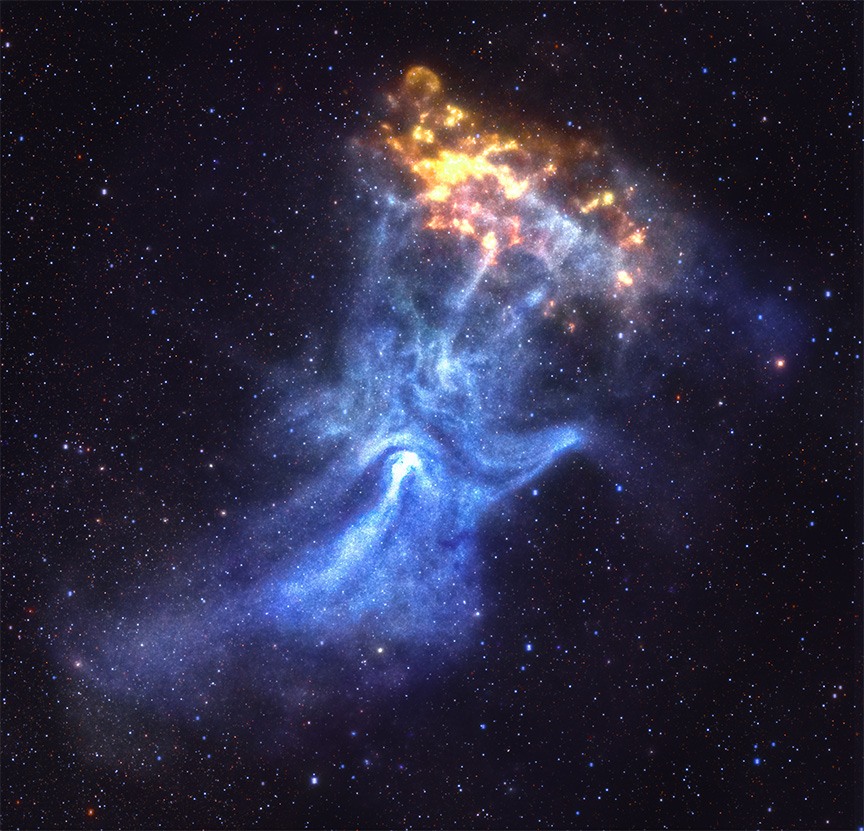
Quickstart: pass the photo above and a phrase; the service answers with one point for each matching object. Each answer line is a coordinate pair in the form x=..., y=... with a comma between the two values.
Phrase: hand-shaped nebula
x=495, y=261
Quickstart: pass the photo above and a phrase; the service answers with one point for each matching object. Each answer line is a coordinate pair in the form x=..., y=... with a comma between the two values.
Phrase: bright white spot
x=403, y=464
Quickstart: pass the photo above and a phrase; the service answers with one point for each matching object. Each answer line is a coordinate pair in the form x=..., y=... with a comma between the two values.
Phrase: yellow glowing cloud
x=471, y=179
x=624, y=278
x=421, y=82
x=450, y=170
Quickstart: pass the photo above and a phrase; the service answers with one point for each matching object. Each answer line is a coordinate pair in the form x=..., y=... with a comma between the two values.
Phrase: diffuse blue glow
x=433, y=404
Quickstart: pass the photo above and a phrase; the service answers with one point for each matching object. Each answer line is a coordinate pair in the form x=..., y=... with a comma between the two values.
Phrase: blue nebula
x=432, y=429
x=446, y=395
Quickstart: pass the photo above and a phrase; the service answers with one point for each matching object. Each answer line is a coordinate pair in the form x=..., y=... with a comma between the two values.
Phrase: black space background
x=139, y=323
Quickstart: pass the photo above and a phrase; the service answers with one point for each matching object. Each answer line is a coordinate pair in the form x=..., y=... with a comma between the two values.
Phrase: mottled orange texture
x=474, y=181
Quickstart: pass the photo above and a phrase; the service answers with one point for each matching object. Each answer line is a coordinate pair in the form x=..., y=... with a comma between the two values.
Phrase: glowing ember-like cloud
x=480, y=184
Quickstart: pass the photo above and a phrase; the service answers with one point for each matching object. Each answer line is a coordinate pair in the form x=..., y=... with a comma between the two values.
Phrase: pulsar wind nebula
x=512, y=295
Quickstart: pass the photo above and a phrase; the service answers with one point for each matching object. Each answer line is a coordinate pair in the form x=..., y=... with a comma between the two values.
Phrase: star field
x=431, y=416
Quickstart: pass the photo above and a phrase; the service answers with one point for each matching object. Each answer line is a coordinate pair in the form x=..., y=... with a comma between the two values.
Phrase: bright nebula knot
x=403, y=464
